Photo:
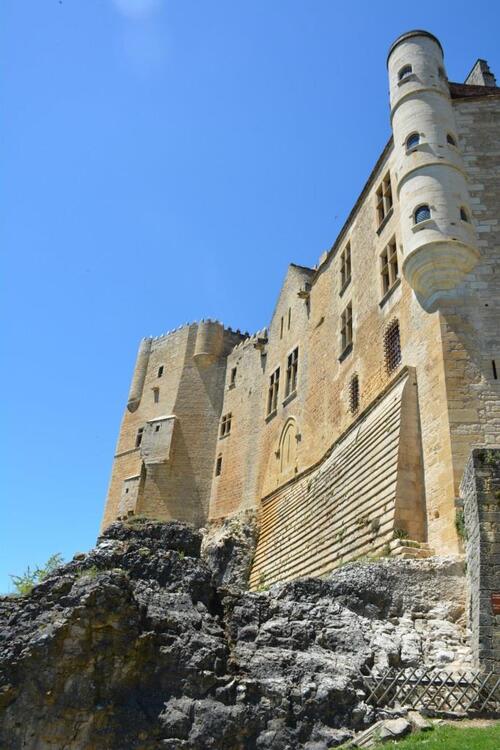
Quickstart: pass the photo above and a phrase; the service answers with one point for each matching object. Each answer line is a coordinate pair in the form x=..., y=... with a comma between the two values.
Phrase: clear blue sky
x=163, y=161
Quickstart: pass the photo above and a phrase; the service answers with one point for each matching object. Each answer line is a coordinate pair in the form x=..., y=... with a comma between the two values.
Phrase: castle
x=347, y=424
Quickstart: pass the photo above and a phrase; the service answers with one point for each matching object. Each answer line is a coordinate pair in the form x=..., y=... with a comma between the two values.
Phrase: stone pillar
x=480, y=491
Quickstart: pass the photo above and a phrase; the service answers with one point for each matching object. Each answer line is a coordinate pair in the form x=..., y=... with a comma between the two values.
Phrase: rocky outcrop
x=141, y=644
x=228, y=549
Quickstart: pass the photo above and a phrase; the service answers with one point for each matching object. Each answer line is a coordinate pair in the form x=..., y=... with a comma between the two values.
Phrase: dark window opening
x=354, y=394
x=422, y=213
x=345, y=266
x=160, y=371
x=157, y=428
x=156, y=395
x=405, y=71
x=463, y=214
x=346, y=327
x=126, y=491
x=384, y=198
x=225, y=425
x=289, y=317
x=412, y=140
x=494, y=368
x=273, y=391
x=392, y=346
x=389, y=268
x=233, y=376
x=218, y=466
x=281, y=329
x=291, y=372
x=138, y=437
x=451, y=140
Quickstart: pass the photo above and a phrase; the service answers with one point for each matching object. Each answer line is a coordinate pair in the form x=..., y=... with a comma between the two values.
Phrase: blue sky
x=163, y=161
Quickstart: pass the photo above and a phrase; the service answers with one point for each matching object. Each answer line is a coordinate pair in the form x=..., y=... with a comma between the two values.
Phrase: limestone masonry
x=348, y=423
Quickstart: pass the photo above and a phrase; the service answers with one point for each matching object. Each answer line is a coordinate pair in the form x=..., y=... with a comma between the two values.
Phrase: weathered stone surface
x=135, y=646
x=393, y=729
x=229, y=547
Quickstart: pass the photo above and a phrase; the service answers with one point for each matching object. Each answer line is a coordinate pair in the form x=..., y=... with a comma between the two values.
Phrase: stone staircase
x=408, y=548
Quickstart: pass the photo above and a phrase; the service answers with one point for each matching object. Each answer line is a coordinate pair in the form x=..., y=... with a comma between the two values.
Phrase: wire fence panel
x=437, y=691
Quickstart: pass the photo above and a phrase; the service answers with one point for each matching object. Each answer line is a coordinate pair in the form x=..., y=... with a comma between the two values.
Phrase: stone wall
x=480, y=491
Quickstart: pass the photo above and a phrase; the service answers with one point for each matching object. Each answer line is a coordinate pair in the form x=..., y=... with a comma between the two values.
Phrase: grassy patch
x=450, y=738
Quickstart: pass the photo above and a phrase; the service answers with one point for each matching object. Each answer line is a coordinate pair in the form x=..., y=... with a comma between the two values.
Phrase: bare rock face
x=228, y=548
x=143, y=645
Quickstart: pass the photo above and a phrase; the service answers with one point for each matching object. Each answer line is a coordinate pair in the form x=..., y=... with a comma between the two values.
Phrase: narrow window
x=160, y=371
x=405, y=71
x=157, y=428
x=289, y=317
x=389, y=269
x=346, y=327
x=412, y=141
x=451, y=140
x=272, y=394
x=138, y=437
x=218, y=466
x=494, y=368
x=442, y=73
x=392, y=346
x=384, y=198
x=422, y=213
x=291, y=372
x=233, y=377
x=281, y=329
x=345, y=266
x=463, y=214
x=156, y=395
x=354, y=394
x=225, y=425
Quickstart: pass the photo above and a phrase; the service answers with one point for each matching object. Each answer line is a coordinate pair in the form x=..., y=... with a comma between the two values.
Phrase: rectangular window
x=289, y=317
x=272, y=395
x=345, y=266
x=346, y=327
x=160, y=371
x=218, y=466
x=389, y=269
x=291, y=372
x=156, y=395
x=232, y=382
x=225, y=425
x=281, y=329
x=384, y=198
x=138, y=437
x=158, y=428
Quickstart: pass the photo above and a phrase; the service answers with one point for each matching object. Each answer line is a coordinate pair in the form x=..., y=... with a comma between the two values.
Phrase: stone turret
x=141, y=367
x=438, y=237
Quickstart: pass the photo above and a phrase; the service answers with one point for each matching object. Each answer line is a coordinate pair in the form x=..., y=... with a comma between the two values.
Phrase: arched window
x=405, y=71
x=392, y=346
x=422, y=213
x=412, y=141
x=451, y=140
x=463, y=214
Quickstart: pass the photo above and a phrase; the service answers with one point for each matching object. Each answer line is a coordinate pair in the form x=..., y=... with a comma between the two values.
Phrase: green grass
x=450, y=738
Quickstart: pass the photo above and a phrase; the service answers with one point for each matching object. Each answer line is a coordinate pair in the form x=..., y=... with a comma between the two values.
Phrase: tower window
x=354, y=394
x=156, y=395
x=442, y=73
x=412, y=141
x=494, y=368
x=345, y=266
x=160, y=371
x=157, y=428
x=392, y=346
x=346, y=327
x=281, y=328
x=232, y=382
x=389, y=268
x=405, y=71
x=225, y=425
x=422, y=213
x=451, y=140
x=289, y=317
x=463, y=214
x=292, y=366
x=218, y=466
x=138, y=437
x=384, y=198
x=272, y=394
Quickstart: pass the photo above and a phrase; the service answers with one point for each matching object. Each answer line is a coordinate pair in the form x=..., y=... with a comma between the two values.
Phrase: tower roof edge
x=408, y=35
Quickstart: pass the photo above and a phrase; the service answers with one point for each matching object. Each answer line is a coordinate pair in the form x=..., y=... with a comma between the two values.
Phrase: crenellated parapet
x=439, y=239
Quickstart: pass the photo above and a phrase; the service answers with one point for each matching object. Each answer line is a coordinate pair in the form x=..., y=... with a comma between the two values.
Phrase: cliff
x=143, y=644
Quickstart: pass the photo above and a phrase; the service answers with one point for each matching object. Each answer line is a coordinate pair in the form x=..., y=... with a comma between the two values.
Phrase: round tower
x=438, y=237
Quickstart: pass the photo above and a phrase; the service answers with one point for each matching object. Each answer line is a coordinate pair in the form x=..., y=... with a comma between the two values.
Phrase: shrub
x=24, y=583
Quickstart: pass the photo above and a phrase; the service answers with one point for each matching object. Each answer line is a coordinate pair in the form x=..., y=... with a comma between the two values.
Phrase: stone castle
x=346, y=425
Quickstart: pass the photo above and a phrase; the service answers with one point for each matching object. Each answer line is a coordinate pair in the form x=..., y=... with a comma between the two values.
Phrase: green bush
x=24, y=583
